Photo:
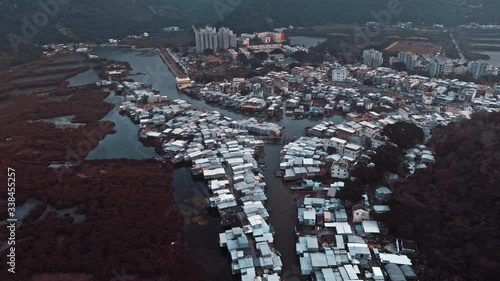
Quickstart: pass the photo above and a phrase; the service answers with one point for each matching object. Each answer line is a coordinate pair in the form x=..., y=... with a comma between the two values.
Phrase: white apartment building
x=369, y=129
x=339, y=74
x=479, y=68
x=372, y=58
x=209, y=38
x=336, y=143
x=352, y=150
x=340, y=169
x=226, y=38
x=409, y=59
x=440, y=67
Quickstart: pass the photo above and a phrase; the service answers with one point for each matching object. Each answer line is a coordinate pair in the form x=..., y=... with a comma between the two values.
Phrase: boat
x=279, y=173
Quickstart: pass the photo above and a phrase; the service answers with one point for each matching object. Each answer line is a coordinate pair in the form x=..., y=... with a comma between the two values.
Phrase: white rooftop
x=396, y=259
x=371, y=227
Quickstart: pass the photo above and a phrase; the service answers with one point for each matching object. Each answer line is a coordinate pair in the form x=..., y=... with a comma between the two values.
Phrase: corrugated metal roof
x=394, y=272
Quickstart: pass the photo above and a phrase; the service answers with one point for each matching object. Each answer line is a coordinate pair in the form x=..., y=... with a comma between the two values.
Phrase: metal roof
x=396, y=259
x=371, y=227
x=394, y=272
x=318, y=260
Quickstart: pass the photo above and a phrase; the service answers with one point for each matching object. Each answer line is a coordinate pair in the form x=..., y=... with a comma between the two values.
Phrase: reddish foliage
x=25, y=136
x=131, y=223
x=452, y=209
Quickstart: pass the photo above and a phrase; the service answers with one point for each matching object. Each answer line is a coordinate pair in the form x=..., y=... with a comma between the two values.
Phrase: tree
x=367, y=175
x=293, y=65
x=352, y=193
x=300, y=56
x=368, y=82
x=399, y=66
x=208, y=52
x=443, y=209
x=144, y=100
x=242, y=59
x=277, y=52
x=331, y=150
x=404, y=134
x=389, y=158
x=262, y=56
x=255, y=63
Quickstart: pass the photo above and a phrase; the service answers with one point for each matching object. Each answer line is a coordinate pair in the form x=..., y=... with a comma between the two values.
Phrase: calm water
x=203, y=245
x=306, y=41
x=494, y=55
x=124, y=143
x=23, y=210
x=88, y=77
x=283, y=210
x=202, y=240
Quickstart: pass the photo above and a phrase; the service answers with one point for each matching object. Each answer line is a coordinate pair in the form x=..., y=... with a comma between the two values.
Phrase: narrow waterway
x=124, y=143
x=306, y=41
x=493, y=54
x=88, y=77
x=283, y=210
x=202, y=238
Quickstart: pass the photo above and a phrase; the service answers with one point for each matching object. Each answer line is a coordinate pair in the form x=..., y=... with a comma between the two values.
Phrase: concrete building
x=233, y=53
x=360, y=214
x=310, y=217
x=479, y=68
x=209, y=38
x=270, y=37
x=340, y=169
x=409, y=59
x=372, y=58
x=339, y=74
x=336, y=143
x=352, y=150
x=440, y=67
x=226, y=38
x=383, y=193
x=206, y=38
x=427, y=98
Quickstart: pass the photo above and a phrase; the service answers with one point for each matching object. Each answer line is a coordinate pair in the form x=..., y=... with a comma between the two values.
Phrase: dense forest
x=452, y=210
x=404, y=134
x=130, y=223
x=265, y=14
x=48, y=21
x=94, y=220
x=99, y=20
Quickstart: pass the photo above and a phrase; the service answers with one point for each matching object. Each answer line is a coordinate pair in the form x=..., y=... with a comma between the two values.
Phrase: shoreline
x=32, y=148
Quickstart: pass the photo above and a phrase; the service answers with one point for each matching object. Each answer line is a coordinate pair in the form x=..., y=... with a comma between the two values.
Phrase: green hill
x=71, y=20
x=92, y=20
x=265, y=14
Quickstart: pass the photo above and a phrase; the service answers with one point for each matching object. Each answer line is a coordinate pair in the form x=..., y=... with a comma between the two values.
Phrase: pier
x=172, y=65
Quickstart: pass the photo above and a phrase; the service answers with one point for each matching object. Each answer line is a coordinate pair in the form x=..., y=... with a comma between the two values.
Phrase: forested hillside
x=102, y=19
x=453, y=210
x=95, y=19
x=264, y=14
